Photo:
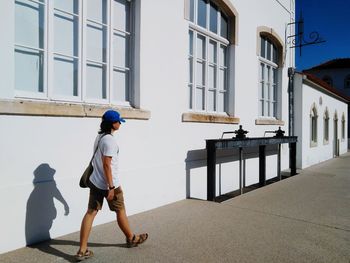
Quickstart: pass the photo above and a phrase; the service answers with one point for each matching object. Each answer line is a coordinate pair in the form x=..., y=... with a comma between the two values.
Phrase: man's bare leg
x=85, y=228
x=123, y=223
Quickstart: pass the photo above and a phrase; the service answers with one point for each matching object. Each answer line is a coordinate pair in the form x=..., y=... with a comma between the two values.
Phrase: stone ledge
x=208, y=118
x=62, y=109
x=269, y=122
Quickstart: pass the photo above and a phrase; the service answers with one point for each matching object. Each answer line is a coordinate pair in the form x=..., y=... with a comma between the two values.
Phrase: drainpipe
x=291, y=73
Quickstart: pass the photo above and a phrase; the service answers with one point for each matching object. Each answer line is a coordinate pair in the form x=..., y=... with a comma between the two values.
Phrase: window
x=208, y=57
x=343, y=126
x=347, y=82
x=326, y=127
x=313, y=125
x=328, y=80
x=74, y=50
x=268, y=78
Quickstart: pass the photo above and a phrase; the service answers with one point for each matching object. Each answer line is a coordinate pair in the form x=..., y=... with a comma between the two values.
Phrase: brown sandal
x=136, y=240
x=80, y=256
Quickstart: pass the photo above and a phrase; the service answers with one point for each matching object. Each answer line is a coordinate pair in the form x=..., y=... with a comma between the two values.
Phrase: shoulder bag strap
x=97, y=146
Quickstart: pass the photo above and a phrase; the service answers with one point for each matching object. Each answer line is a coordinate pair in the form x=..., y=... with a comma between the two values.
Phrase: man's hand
x=110, y=194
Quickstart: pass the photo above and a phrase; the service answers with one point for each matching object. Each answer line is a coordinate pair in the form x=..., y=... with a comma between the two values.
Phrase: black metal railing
x=241, y=142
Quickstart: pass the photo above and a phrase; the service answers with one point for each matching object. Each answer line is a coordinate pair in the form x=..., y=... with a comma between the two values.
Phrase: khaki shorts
x=97, y=195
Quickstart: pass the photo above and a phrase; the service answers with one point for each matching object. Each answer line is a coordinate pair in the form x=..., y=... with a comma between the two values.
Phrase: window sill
x=59, y=109
x=209, y=118
x=325, y=142
x=263, y=121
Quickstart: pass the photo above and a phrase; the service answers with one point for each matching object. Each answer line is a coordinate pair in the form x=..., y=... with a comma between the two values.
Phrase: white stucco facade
x=162, y=157
x=308, y=96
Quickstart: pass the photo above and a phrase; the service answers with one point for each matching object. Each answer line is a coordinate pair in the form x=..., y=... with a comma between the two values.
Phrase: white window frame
x=326, y=127
x=219, y=41
x=268, y=104
x=28, y=94
x=48, y=56
x=313, y=127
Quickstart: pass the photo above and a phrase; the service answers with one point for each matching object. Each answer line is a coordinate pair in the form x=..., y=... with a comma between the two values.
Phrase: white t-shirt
x=107, y=147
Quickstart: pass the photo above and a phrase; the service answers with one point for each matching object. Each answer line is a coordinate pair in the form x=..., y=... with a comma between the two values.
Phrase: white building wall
x=162, y=159
x=310, y=95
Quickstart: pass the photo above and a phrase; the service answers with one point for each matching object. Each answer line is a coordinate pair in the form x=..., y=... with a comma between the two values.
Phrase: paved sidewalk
x=305, y=218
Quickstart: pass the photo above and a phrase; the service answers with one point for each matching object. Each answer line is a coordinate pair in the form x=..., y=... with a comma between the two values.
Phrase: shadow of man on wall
x=41, y=210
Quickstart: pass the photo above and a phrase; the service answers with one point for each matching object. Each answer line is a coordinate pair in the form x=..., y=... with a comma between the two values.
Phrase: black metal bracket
x=298, y=40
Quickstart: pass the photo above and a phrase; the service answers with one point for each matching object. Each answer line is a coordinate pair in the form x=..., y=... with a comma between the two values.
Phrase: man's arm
x=106, y=160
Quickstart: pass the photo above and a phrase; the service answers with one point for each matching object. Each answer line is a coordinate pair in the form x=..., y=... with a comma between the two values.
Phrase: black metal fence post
x=211, y=172
x=293, y=158
x=262, y=165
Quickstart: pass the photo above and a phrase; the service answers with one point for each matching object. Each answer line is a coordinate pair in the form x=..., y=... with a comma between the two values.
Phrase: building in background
x=321, y=114
x=335, y=73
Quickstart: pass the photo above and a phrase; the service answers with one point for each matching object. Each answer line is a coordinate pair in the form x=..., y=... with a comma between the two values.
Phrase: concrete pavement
x=305, y=218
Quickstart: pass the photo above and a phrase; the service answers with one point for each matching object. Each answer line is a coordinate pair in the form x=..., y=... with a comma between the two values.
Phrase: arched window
x=270, y=57
x=211, y=35
x=328, y=80
x=343, y=126
x=326, y=127
x=313, y=126
x=347, y=82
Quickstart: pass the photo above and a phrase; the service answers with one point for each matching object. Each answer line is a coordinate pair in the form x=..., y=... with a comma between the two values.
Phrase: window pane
x=273, y=109
x=121, y=85
x=262, y=71
x=120, y=50
x=202, y=13
x=65, y=76
x=29, y=24
x=96, y=43
x=275, y=54
x=201, y=47
x=70, y=6
x=29, y=70
x=121, y=11
x=223, y=79
x=262, y=47
x=191, y=42
x=224, y=26
x=274, y=72
x=221, y=102
x=267, y=110
x=97, y=10
x=96, y=82
x=200, y=74
x=223, y=56
x=261, y=108
x=66, y=27
x=212, y=77
x=190, y=73
x=190, y=90
x=268, y=50
x=211, y=100
x=191, y=10
x=212, y=51
x=213, y=18
x=199, y=98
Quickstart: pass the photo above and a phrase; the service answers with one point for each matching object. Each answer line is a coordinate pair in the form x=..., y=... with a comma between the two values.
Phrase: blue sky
x=331, y=19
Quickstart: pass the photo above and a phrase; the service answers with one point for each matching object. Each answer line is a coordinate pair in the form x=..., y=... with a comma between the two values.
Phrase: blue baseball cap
x=112, y=116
